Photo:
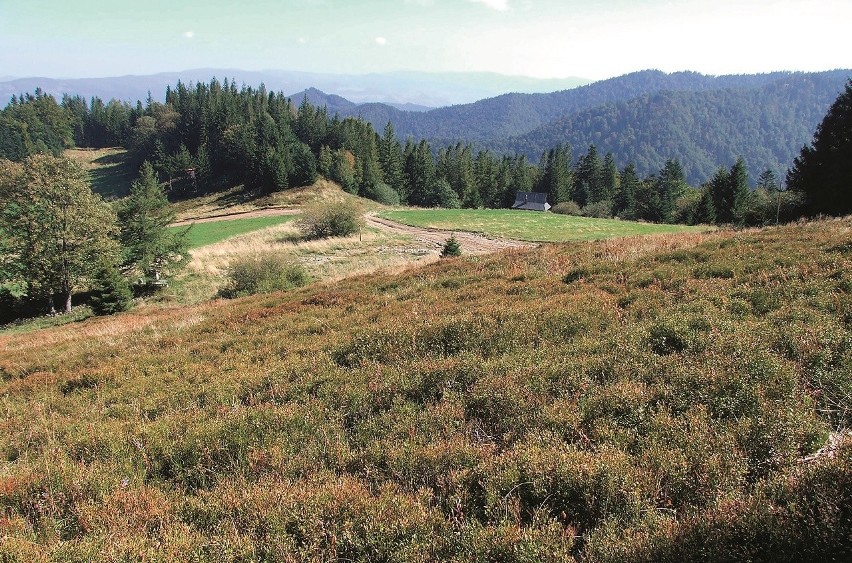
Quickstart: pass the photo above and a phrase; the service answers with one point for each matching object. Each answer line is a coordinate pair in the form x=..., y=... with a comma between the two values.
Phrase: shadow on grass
x=113, y=178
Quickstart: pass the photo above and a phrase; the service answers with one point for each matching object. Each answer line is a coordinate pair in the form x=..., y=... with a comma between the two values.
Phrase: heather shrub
x=330, y=219
x=263, y=273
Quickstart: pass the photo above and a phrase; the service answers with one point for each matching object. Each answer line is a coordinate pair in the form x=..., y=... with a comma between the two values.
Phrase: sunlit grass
x=203, y=234
x=529, y=225
x=649, y=398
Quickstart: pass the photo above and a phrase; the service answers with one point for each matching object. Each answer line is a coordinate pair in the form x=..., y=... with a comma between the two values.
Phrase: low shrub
x=330, y=219
x=598, y=209
x=263, y=273
x=567, y=208
x=382, y=193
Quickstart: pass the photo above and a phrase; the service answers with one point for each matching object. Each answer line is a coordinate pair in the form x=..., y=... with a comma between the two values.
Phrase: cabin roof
x=531, y=201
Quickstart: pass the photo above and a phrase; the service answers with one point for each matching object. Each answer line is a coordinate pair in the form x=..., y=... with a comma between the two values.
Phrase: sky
x=537, y=38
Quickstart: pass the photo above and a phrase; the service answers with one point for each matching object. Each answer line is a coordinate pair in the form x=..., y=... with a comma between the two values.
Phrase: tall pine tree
x=823, y=171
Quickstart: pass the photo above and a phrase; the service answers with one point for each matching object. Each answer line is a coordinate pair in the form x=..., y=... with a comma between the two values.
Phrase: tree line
x=57, y=234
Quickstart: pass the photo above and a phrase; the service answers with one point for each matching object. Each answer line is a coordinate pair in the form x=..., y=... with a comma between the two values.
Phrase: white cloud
x=499, y=5
x=189, y=34
x=303, y=40
x=381, y=41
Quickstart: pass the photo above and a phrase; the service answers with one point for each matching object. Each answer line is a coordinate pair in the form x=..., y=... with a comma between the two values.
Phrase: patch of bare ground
x=832, y=446
x=471, y=243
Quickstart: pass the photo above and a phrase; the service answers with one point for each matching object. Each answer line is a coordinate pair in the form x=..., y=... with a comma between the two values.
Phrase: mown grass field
x=202, y=234
x=641, y=399
x=528, y=225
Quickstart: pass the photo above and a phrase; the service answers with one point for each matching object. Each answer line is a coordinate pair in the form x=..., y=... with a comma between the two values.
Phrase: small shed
x=531, y=201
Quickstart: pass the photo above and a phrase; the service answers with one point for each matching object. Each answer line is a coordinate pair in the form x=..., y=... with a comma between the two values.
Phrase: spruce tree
x=706, y=213
x=768, y=181
x=150, y=248
x=823, y=171
x=625, y=200
x=390, y=160
x=723, y=197
x=451, y=248
x=740, y=192
x=110, y=292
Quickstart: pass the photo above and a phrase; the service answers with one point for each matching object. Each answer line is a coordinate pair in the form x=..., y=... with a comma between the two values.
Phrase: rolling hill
x=644, y=117
x=421, y=89
x=671, y=398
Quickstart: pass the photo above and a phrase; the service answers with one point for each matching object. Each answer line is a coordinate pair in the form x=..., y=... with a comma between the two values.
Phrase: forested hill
x=645, y=117
x=516, y=114
x=767, y=126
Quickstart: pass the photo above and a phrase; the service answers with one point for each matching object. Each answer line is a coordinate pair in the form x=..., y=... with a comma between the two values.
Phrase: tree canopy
x=823, y=170
x=55, y=228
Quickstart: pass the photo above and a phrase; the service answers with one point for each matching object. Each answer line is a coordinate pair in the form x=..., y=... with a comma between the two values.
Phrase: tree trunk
x=51, y=308
x=67, y=301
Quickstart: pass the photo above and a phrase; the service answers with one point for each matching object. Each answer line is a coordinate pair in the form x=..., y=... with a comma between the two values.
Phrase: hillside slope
x=497, y=118
x=647, y=399
x=767, y=126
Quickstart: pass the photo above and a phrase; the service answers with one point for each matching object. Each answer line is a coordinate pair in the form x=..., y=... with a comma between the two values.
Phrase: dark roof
x=532, y=201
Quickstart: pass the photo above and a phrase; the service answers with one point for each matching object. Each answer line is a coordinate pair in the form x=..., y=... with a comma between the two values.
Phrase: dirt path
x=471, y=243
x=267, y=212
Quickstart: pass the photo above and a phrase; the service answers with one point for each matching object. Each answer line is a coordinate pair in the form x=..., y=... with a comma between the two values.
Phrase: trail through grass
x=529, y=226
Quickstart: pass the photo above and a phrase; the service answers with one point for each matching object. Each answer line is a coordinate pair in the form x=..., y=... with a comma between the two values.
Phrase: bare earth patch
x=471, y=243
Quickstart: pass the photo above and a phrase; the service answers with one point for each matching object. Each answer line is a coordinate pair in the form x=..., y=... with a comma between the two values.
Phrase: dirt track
x=471, y=243
x=269, y=211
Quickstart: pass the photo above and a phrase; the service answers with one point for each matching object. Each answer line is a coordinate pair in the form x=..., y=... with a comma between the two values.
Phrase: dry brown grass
x=235, y=201
x=325, y=259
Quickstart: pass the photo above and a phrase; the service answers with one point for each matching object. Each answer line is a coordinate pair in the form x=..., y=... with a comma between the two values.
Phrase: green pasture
x=202, y=234
x=529, y=225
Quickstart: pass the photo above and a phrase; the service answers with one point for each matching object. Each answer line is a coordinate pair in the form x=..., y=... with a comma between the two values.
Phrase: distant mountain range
x=412, y=91
x=644, y=117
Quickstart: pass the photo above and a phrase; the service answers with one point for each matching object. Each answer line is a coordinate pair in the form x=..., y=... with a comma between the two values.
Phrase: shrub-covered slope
x=648, y=399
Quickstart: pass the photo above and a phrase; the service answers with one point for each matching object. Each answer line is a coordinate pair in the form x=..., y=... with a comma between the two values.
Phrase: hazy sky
x=542, y=38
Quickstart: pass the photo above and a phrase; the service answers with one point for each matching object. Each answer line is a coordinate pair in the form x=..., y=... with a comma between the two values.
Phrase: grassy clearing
x=202, y=234
x=237, y=200
x=110, y=171
x=326, y=259
x=529, y=226
x=636, y=399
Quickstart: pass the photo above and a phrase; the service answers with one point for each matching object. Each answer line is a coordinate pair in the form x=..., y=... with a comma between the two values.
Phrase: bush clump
x=263, y=273
x=330, y=219
x=598, y=210
x=567, y=208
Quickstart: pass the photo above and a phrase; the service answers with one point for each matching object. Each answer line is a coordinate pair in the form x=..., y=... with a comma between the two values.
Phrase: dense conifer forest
x=210, y=136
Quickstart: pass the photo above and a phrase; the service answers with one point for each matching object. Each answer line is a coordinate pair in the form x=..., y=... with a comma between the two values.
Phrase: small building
x=531, y=201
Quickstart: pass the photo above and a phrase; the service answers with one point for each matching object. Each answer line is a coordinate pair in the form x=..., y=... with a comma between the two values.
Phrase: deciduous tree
x=56, y=228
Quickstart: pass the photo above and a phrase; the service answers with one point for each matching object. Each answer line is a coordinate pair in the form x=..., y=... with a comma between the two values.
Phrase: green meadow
x=529, y=225
x=202, y=234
